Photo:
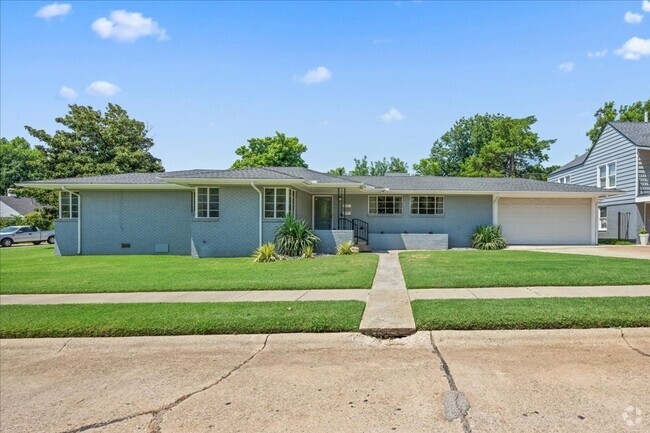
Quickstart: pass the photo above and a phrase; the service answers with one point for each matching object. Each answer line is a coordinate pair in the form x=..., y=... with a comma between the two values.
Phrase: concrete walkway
x=621, y=251
x=531, y=292
x=388, y=310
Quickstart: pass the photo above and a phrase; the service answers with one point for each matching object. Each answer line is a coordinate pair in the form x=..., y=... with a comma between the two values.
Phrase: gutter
x=78, y=218
x=260, y=208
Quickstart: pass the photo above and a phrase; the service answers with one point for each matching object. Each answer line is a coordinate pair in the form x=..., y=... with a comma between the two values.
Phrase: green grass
x=38, y=270
x=446, y=269
x=113, y=320
x=551, y=313
x=615, y=242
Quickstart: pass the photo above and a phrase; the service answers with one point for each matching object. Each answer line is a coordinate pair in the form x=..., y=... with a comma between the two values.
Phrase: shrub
x=344, y=249
x=15, y=220
x=294, y=236
x=488, y=238
x=308, y=253
x=265, y=254
x=38, y=220
x=643, y=231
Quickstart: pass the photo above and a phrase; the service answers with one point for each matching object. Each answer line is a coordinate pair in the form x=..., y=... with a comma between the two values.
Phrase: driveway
x=533, y=381
x=624, y=251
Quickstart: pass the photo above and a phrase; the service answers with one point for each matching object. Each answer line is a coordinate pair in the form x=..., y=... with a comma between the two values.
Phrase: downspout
x=78, y=218
x=260, y=206
x=495, y=209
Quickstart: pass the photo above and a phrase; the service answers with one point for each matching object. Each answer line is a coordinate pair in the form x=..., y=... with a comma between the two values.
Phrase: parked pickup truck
x=16, y=234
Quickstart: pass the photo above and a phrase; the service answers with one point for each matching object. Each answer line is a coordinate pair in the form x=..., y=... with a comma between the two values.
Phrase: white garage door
x=545, y=221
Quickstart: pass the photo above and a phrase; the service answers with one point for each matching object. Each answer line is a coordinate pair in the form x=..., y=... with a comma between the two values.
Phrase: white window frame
x=289, y=203
x=602, y=219
x=397, y=209
x=438, y=205
x=599, y=179
x=210, y=213
x=564, y=179
x=72, y=204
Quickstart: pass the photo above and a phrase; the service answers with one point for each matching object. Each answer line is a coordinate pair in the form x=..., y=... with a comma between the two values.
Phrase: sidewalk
x=531, y=292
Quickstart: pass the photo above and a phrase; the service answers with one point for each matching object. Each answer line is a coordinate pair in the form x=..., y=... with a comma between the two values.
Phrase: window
x=564, y=179
x=427, y=205
x=68, y=205
x=278, y=202
x=602, y=219
x=207, y=202
x=607, y=175
x=385, y=205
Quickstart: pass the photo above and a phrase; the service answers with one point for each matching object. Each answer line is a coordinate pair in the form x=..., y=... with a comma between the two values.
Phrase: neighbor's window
x=68, y=205
x=427, y=205
x=607, y=175
x=278, y=202
x=385, y=205
x=564, y=179
x=602, y=218
x=207, y=202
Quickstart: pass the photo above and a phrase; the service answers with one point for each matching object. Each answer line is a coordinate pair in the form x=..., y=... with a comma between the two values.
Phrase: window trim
x=71, y=214
x=607, y=185
x=602, y=218
x=436, y=198
x=401, y=206
x=208, y=194
x=566, y=178
x=290, y=198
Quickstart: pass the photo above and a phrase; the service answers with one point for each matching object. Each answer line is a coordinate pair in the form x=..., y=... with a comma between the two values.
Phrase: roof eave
x=101, y=186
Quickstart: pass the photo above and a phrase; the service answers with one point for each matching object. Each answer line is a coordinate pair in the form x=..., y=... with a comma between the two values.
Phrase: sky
x=349, y=79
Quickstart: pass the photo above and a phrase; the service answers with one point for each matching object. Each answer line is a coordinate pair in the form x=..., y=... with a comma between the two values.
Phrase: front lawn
x=38, y=270
x=445, y=269
x=531, y=313
x=118, y=320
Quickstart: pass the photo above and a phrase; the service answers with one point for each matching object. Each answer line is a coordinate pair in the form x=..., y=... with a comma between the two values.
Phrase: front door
x=323, y=213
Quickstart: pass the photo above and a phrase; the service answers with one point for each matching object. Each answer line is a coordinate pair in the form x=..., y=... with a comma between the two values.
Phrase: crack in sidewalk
x=639, y=351
x=63, y=347
x=456, y=404
x=157, y=414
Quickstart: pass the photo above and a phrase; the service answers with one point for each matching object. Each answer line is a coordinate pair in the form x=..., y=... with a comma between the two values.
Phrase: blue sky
x=386, y=78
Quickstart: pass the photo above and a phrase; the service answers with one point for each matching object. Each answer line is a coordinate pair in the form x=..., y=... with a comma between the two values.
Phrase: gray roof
x=574, y=163
x=465, y=184
x=21, y=205
x=280, y=173
x=109, y=179
x=637, y=132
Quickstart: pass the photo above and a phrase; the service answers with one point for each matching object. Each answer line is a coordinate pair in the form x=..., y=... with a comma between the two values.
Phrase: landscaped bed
x=447, y=269
x=37, y=270
x=113, y=320
x=551, y=313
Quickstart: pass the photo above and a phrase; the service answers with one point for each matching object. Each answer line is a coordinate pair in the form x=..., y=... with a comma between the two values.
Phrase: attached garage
x=539, y=221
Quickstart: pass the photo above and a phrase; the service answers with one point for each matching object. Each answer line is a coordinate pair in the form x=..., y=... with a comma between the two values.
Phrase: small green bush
x=344, y=249
x=15, y=220
x=39, y=220
x=308, y=253
x=294, y=236
x=265, y=254
x=643, y=231
x=615, y=242
x=488, y=238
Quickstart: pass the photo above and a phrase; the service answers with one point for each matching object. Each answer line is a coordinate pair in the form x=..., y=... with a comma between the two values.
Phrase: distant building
x=14, y=206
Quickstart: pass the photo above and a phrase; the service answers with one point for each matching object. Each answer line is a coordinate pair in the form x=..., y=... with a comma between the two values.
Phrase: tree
x=18, y=162
x=277, y=151
x=488, y=145
x=378, y=168
x=625, y=113
x=338, y=171
x=96, y=143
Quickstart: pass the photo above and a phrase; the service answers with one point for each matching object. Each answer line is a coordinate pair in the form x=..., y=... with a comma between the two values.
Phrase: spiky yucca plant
x=344, y=249
x=265, y=253
x=488, y=238
x=294, y=236
x=308, y=253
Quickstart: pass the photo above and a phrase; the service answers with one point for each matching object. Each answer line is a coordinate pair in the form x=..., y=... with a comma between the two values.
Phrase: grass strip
x=532, y=313
x=120, y=320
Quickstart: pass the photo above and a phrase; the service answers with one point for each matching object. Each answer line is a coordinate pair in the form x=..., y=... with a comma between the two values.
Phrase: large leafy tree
x=276, y=151
x=488, y=145
x=609, y=113
x=96, y=143
x=363, y=167
x=18, y=162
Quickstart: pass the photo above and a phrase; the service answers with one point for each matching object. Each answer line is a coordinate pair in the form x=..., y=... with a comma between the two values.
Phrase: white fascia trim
x=642, y=199
x=88, y=186
x=531, y=194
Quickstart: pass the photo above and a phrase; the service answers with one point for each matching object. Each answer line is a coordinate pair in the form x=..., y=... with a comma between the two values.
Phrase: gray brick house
x=218, y=213
x=620, y=159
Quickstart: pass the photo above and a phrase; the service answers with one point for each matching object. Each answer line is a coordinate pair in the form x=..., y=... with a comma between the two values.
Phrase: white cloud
x=102, y=88
x=566, y=67
x=646, y=5
x=53, y=10
x=634, y=49
x=126, y=26
x=68, y=93
x=632, y=17
x=317, y=75
x=596, y=54
x=393, y=115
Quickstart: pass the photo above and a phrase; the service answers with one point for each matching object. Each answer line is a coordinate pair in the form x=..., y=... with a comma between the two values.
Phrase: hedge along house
x=216, y=213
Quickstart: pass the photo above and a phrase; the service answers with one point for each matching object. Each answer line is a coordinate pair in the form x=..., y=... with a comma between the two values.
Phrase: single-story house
x=14, y=206
x=217, y=213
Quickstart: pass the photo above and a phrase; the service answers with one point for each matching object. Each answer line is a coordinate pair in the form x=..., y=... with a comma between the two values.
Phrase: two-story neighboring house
x=620, y=159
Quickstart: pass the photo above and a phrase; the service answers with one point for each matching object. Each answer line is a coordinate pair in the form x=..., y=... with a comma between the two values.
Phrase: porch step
x=364, y=247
